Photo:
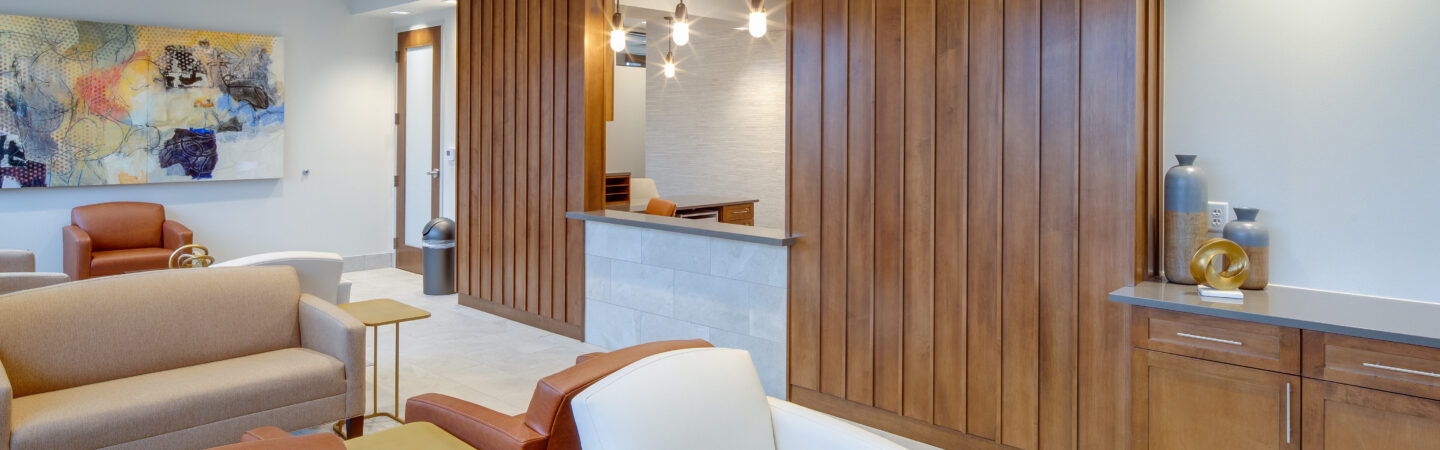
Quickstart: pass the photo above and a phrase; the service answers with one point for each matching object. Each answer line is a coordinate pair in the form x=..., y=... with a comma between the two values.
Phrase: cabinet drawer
x=1249, y=344
x=1388, y=366
x=737, y=213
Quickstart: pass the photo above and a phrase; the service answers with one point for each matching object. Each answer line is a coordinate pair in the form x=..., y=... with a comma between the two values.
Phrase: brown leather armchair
x=548, y=424
x=118, y=237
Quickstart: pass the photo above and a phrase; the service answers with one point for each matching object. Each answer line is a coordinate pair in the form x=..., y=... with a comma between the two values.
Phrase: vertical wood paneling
x=463, y=87
x=985, y=197
x=1020, y=275
x=889, y=202
x=1059, y=203
x=919, y=215
x=963, y=175
x=806, y=74
x=524, y=147
x=951, y=163
x=860, y=218
x=834, y=109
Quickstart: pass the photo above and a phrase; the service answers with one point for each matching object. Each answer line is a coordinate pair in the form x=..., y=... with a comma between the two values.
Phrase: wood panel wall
x=967, y=179
x=530, y=147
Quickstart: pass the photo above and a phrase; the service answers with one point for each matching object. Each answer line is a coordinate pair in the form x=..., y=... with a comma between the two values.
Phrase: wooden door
x=417, y=151
x=1185, y=403
x=1339, y=416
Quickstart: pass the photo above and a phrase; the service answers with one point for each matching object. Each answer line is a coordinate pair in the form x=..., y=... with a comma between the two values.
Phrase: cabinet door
x=1186, y=403
x=1339, y=416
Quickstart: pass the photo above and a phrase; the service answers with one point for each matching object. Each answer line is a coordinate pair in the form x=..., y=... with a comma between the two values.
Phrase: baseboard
x=369, y=262
x=569, y=330
x=885, y=420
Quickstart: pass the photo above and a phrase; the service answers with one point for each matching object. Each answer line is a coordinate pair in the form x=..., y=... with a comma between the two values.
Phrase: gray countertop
x=1396, y=320
x=759, y=235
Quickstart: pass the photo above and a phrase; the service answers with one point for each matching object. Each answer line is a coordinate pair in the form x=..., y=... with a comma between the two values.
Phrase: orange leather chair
x=660, y=207
x=549, y=424
x=119, y=237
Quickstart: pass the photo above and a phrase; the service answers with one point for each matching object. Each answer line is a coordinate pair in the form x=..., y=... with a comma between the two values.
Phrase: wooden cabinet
x=1339, y=416
x=1186, y=403
x=1257, y=345
x=617, y=190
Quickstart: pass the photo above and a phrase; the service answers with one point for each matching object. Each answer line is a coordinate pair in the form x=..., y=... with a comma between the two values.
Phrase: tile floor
x=462, y=352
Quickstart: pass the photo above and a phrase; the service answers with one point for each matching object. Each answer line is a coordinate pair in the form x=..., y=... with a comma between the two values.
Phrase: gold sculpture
x=1225, y=276
x=191, y=256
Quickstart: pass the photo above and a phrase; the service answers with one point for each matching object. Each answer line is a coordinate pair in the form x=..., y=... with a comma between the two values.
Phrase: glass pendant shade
x=617, y=40
x=757, y=23
x=682, y=33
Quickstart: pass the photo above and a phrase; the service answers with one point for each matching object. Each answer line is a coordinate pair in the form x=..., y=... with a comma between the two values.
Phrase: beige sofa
x=173, y=359
x=17, y=272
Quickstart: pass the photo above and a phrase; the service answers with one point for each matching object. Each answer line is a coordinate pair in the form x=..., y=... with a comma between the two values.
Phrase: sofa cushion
x=102, y=329
x=116, y=262
x=119, y=225
x=128, y=409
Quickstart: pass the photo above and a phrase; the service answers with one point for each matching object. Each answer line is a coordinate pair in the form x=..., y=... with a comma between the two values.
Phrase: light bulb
x=617, y=40
x=757, y=23
x=670, y=65
x=682, y=33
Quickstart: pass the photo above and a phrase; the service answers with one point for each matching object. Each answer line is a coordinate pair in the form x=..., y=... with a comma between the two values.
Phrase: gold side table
x=374, y=314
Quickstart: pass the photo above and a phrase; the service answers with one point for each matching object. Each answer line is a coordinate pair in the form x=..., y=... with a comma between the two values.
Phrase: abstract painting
x=89, y=103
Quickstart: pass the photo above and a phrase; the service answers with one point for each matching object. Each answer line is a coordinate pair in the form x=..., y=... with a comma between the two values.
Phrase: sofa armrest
x=6, y=398
x=15, y=282
x=798, y=427
x=77, y=252
x=17, y=261
x=175, y=235
x=477, y=425
x=327, y=329
x=342, y=292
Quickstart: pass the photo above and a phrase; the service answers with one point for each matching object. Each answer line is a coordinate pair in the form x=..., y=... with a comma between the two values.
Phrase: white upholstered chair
x=17, y=272
x=641, y=191
x=704, y=398
x=319, y=272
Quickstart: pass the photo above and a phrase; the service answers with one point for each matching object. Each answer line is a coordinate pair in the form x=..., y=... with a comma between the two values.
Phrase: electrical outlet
x=1218, y=215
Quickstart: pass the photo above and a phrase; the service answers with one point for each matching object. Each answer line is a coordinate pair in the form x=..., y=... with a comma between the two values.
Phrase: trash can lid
x=439, y=229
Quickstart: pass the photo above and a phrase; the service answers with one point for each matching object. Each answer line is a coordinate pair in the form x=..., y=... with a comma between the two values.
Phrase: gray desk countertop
x=759, y=235
x=1396, y=320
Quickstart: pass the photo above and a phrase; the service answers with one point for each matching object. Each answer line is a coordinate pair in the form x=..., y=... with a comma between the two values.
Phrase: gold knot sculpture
x=191, y=256
x=1226, y=275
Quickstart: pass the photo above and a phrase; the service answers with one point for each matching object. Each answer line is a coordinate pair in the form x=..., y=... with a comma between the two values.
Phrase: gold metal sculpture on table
x=191, y=256
x=1228, y=273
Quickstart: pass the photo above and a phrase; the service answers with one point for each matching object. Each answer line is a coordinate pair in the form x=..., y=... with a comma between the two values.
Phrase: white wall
x=1325, y=114
x=448, y=44
x=340, y=80
x=625, y=136
x=718, y=127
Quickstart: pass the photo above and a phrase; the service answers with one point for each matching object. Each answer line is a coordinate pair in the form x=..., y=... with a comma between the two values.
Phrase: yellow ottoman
x=418, y=435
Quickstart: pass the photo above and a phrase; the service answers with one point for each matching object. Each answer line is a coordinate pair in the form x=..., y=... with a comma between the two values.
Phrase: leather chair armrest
x=7, y=395
x=327, y=329
x=477, y=425
x=175, y=235
x=15, y=282
x=587, y=357
x=77, y=252
x=800, y=427
x=274, y=438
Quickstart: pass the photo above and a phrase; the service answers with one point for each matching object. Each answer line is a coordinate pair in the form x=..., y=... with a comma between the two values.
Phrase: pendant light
x=670, y=52
x=617, y=30
x=681, y=26
x=757, y=18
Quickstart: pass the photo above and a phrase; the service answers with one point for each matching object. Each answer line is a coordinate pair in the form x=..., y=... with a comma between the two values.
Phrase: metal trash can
x=438, y=243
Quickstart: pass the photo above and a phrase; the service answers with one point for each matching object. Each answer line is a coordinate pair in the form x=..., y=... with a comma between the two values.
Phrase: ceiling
x=385, y=8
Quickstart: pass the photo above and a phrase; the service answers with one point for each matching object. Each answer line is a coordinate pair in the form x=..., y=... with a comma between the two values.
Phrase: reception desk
x=651, y=278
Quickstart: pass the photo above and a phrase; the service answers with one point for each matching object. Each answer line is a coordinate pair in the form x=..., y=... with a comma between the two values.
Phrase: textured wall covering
x=646, y=285
x=718, y=127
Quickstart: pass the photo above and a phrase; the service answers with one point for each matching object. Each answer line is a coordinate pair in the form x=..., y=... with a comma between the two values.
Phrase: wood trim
x=529, y=143
x=874, y=417
x=407, y=257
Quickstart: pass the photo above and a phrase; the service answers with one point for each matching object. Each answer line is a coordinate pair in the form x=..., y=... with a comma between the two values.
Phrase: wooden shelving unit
x=617, y=190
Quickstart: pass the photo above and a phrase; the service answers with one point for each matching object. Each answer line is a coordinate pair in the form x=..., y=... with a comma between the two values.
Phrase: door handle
x=433, y=173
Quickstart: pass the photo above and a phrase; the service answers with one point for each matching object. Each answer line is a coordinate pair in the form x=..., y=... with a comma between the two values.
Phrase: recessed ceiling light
x=400, y=13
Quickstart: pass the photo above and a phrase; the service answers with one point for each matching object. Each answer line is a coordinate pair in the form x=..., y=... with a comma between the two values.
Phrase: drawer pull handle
x=1288, y=432
x=1402, y=370
x=1208, y=338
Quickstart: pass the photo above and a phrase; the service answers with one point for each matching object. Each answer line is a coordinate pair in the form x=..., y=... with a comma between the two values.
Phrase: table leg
x=375, y=374
x=397, y=373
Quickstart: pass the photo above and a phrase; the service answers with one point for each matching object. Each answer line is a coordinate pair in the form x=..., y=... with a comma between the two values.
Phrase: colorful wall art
x=88, y=103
